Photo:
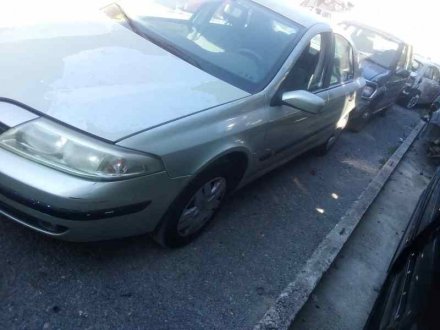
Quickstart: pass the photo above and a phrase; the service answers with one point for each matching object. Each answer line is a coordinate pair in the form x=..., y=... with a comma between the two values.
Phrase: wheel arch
x=236, y=158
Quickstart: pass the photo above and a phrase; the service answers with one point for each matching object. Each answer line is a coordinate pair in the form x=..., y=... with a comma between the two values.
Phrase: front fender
x=189, y=145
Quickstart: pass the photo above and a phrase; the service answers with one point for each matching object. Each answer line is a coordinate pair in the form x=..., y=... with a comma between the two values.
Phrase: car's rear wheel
x=193, y=209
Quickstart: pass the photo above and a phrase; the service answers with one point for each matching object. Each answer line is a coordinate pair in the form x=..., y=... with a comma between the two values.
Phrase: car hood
x=97, y=76
x=372, y=71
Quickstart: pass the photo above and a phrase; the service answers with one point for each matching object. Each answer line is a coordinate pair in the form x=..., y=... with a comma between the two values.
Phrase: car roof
x=293, y=12
x=376, y=30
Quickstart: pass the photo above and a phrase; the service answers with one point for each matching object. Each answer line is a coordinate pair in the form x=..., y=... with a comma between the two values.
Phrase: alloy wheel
x=413, y=101
x=201, y=207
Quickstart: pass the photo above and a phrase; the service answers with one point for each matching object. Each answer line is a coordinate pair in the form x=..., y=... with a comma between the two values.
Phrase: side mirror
x=304, y=101
x=403, y=73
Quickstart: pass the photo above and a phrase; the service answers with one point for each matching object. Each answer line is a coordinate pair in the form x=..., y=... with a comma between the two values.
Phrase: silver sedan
x=142, y=116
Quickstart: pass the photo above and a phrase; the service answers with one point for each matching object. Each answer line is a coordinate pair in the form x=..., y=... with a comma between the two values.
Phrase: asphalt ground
x=227, y=279
x=344, y=298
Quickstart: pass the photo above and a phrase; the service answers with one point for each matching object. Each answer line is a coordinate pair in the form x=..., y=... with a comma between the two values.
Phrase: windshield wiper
x=112, y=10
x=176, y=51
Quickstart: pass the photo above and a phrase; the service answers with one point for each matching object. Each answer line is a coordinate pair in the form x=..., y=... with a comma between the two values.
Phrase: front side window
x=343, y=62
x=308, y=71
x=237, y=41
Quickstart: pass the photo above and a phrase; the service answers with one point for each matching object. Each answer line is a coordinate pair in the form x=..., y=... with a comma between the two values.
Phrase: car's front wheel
x=193, y=209
x=357, y=124
x=324, y=148
x=413, y=100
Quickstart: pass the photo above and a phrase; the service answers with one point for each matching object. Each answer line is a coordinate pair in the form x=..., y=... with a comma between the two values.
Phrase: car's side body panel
x=266, y=134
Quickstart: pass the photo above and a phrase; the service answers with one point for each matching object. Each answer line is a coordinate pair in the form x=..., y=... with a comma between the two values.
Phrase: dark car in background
x=423, y=86
x=385, y=62
x=410, y=297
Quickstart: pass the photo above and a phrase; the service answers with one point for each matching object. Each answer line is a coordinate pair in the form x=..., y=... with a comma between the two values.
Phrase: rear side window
x=343, y=62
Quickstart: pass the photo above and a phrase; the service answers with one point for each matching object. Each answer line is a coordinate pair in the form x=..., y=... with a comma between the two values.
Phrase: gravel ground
x=227, y=279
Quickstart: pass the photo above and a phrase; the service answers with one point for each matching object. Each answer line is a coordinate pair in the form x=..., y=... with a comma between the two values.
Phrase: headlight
x=53, y=145
x=368, y=91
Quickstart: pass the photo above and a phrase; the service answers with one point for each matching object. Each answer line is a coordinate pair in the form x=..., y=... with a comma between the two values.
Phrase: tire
x=358, y=124
x=412, y=101
x=324, y=148
x=171, y=232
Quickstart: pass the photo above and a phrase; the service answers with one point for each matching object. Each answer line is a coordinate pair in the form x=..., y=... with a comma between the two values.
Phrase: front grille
x=3, y=128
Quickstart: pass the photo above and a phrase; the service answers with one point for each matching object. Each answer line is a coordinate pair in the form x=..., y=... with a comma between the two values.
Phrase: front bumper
x=74, y=209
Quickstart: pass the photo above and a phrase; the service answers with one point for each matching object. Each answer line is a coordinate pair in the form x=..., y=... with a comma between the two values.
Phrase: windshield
x=373, y=46
x=237, y=41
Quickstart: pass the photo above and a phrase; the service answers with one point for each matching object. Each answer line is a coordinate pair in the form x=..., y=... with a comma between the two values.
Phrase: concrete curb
x=296, y=294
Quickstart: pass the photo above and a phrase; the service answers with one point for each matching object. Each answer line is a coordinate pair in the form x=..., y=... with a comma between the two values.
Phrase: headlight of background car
x=368, y=91
x=55, y=146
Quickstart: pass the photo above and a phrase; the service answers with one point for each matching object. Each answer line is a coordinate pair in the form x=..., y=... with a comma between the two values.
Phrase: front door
x=325, y=68
x=290, y=129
